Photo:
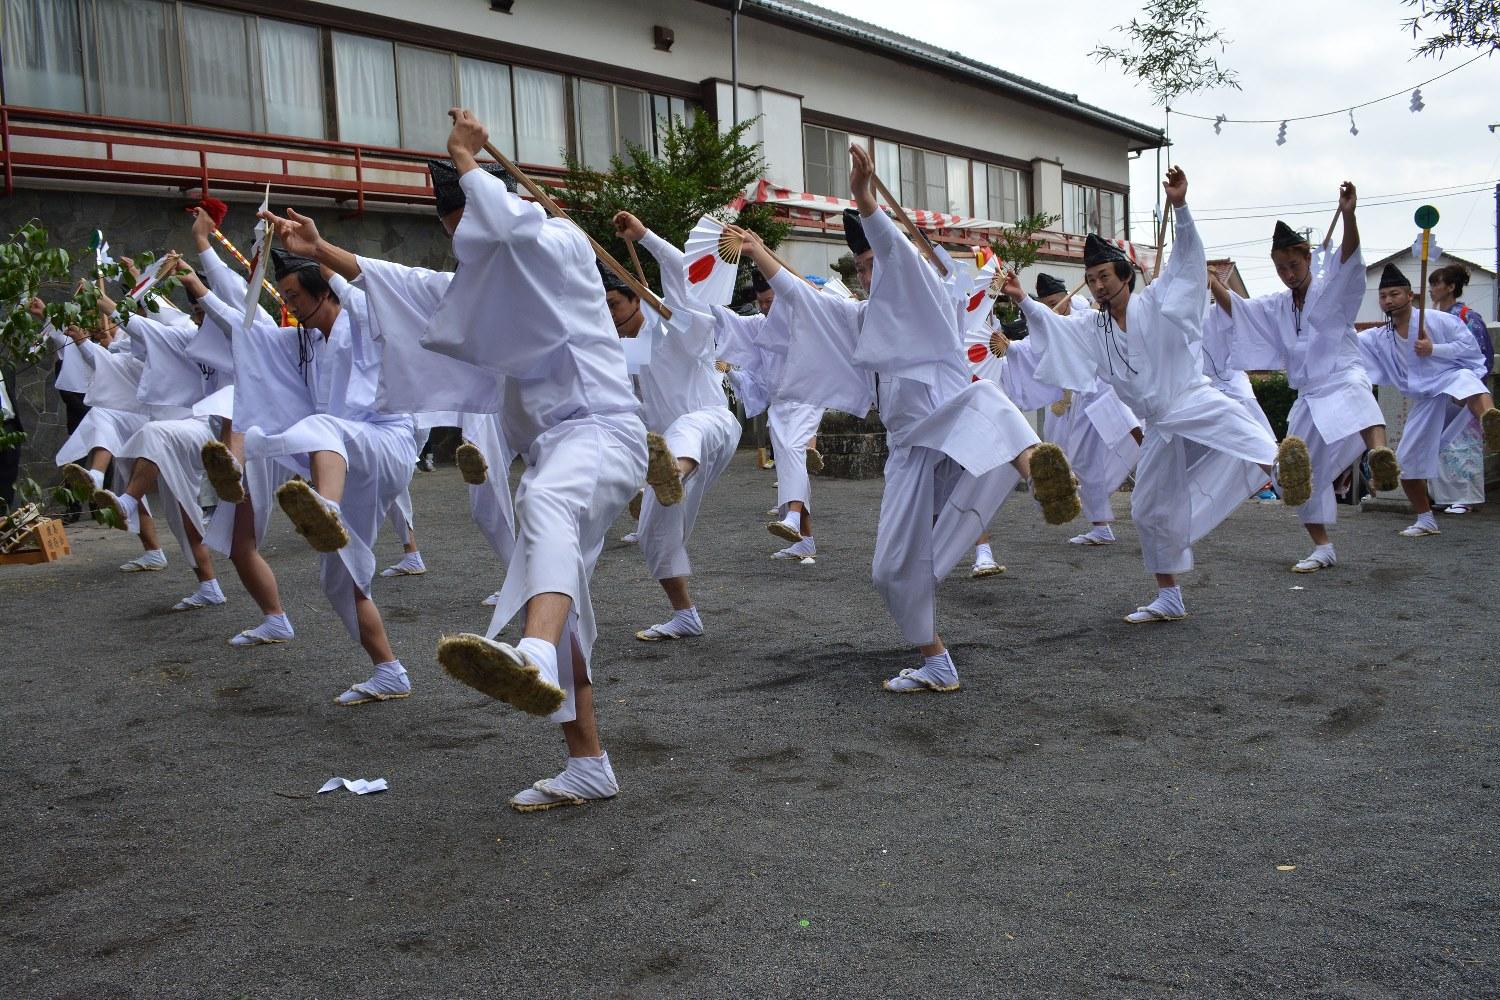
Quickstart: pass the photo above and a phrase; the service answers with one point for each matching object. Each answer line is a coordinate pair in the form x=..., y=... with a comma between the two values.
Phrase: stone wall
x=132, y=223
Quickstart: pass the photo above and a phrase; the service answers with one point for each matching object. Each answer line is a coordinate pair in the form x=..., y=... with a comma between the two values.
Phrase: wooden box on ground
x=47, y=542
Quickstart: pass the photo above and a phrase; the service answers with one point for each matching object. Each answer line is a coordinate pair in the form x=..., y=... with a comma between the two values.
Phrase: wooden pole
x=635, y=259
x=1076, y=289
x=639, y=287
x=1422, y=300
x=923, y=243
x=1161, y=242
x=1327, y=239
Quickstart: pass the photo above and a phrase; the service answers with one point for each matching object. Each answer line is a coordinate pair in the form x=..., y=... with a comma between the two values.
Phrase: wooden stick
x=1076, y=289
x=923, y=243
x=639, y=287
x=1161, y=242
x=1333, y=222
x=265, y=283
x=635, y=259
x=1422, y=301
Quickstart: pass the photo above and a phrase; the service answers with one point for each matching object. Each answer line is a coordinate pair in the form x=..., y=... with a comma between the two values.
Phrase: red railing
x=69, y=146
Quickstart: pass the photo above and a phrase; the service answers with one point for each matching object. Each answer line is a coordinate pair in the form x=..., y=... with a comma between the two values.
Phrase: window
x=424, y=83
x=594, y=113
x=291, y=62
x=667, y=109
x=216, y=48
x=364, y=73
x=609, y=120
x=136, y=78
x=484, y=88
x=43, y=55
x=632, y=120
x=541, y=120
x=1090, y=210
x=958, y=186
x=825, y=153
x=888, y=164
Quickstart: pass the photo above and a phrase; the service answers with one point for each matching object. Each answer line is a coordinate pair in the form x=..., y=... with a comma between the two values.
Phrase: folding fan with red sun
x=711, y=262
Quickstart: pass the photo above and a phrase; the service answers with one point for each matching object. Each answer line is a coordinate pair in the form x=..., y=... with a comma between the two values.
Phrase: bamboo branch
x=923, y=243
x=639, y=287
x=265, y=283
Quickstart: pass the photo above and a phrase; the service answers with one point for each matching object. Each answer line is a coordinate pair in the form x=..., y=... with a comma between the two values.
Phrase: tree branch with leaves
x=1168, y=50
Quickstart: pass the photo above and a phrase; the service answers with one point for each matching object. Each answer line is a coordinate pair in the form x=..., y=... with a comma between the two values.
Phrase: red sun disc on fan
x=978, y=352
x=975, y=302
x=700, y=269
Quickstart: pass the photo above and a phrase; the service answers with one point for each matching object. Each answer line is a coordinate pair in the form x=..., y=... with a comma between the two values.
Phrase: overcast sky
x=1289, y=63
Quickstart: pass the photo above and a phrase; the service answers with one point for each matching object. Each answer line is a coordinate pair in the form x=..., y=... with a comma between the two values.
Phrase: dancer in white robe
x=357, y=459
x=525, y=304
x=956, y=447
x=1459, y=489
x=268, y=365
x=110, y=378
x=1434, y=361
x=1144, y=345
x=1098, y=433
x=1307, y=329
x=685, y=413
x=165, y=454
x=755, y=347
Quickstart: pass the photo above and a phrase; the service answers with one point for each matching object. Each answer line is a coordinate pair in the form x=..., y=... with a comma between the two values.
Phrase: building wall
x=1479, y=295
x=831, y=79
x=135, y=223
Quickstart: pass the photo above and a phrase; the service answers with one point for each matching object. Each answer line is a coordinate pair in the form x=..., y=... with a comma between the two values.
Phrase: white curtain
x=220, y=88
x=425, y=79
x=42, y=57
x=484, y=88
x=135, y=38
x=291, y=64
x=633, y=113
x=981, y=174
x=596, y=123
x=541, y=121
x=364, y=71
x=958, y=185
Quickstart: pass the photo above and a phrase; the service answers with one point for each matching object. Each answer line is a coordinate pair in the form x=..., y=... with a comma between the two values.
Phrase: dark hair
x=313, y=283
x=1454, y=274
x=624, y=290
x=1125, y=273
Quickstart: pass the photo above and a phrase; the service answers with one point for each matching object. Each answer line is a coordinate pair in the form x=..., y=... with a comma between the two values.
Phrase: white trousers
x=175, y=447
x=380, y=458
x=579, y=476
x=1432, y=422
x=792, y=426
x=708, y=437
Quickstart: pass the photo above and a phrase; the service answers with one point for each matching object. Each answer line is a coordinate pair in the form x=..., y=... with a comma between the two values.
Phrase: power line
x=1325, y=210
x=1327, y=201
x=1324, y=114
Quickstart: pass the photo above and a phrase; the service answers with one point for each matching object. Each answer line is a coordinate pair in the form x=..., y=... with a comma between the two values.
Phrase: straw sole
x=1294, y=472
x=1053, y=485
x=313, y=520
x=1385, y=473
x=223, y=472
x=471, y=464
x=500, y=671
x=661, y=471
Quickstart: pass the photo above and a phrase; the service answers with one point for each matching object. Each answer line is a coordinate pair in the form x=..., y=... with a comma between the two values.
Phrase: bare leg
x=1479, y=404
x=1318, y=533
x=148, y=532
x=255, y=573
x=546, y=617
x=1374, y=437
x=372, y=630
x=801, y=508
x=1416, y=492
x=201, y=555
x=328, y=473
x=99, y=459
x=411, y=540
x=1022, y=462
x=933, y=648
x=1166, y=580
x=677, y=592
x=144, y=474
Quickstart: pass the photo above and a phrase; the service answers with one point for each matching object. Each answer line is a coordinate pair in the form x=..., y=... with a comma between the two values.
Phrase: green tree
x=700, y=171
x=1167, y=50
x=1454, y=24
x=1018, y=248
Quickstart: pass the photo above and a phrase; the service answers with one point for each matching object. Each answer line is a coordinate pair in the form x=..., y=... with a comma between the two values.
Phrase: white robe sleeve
x=1018, y=377
x=412, y=378
x=825, y=333
x=910, y=326
x=271, y=390
x=1065, y=345
x=228, y=284
x=1255, y=342
x=692, y=325
x=1177, y=295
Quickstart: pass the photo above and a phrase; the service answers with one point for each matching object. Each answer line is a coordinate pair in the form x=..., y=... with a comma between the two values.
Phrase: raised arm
x=300, y=235
x=1347, y=200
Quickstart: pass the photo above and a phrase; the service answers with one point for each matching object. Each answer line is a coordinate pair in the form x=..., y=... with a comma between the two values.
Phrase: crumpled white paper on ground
x=359, y=786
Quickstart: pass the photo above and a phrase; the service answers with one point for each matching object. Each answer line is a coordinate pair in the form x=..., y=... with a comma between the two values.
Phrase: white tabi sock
x=1427, y=520
x=275, y=628
x=98, y=477
x=1169, y=600
x=410, y=565
x=682, y=623
x=208, y=592
x=132, y=510
x=544, y=655
x=982, y=553
x=390, y=677
x=794, y=518
x=1103, y=533
x=151, y=559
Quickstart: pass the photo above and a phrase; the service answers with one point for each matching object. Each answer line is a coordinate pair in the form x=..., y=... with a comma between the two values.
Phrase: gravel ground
x=1289, y=794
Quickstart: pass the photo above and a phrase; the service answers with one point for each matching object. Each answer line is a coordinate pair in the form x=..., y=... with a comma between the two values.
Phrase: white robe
x=379, y=450
x=1093, y=430
x=951, y=441
x=683, y=399
x=1155, y=367
x=1318, y=349
x=1431, y=385
x=526, y=304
